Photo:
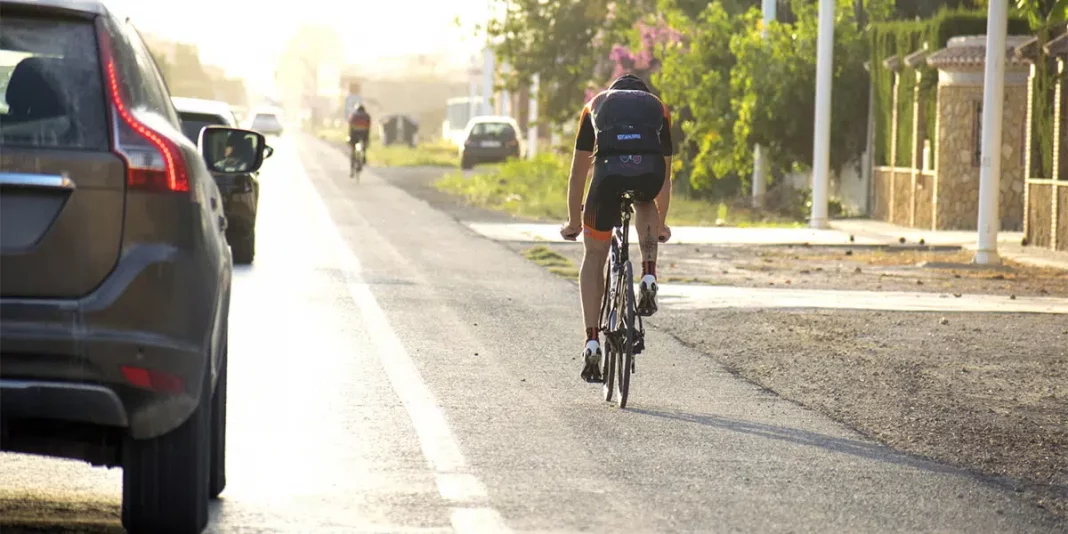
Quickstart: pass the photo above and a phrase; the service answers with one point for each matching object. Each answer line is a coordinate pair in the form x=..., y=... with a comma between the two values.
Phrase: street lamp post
x=821, y=149
x=760, y=162
x=990, y=166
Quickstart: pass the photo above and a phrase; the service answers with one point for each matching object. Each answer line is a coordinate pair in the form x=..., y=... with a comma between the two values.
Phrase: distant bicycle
x=620, y=323
x=357, y=160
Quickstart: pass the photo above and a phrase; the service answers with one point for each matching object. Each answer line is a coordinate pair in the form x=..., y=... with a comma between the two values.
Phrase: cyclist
x=360, y=128
x=625, y=135
x=236, y=155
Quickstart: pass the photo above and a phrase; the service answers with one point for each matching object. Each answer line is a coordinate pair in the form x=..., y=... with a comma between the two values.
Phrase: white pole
x=506, y=96
x=532, y=117
x=760, y=163
x=488, y=70
x=821, y=149
x=990, y=166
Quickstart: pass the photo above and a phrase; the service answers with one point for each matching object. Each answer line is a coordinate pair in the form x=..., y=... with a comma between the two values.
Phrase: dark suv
x=240, y=191
x=115, y=286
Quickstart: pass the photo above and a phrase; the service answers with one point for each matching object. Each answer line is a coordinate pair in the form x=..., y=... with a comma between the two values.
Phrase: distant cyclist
x=360, y=128
x=625, y=135
x=236, y=155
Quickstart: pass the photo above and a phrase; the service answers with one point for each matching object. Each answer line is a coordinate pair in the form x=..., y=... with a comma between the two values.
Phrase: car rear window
x=192, y=123
x=51, y=93
x=493, y=130
x=268, y=120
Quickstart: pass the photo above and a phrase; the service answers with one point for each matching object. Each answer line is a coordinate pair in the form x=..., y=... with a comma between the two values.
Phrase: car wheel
x=244, y=248
x=217, y=447
x=466, y=163
x=165, y=479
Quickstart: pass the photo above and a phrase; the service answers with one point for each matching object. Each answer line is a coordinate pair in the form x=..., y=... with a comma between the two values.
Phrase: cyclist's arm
x=663, y=199
x=580, y=165
x=576, y=184
x=667, y=146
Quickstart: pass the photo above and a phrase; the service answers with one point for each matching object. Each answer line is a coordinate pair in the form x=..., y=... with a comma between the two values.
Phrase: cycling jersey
x=625, y=122
x=629, y=133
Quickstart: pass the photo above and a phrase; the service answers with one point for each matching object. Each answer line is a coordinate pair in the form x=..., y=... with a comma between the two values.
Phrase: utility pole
x=821, y=145
x=488, y=62
x=532, y=118
x=760, y=162
x=990, y=166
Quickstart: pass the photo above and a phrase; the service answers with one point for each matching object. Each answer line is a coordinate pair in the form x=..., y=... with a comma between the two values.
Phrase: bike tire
x=624, y=363
x=607, y=359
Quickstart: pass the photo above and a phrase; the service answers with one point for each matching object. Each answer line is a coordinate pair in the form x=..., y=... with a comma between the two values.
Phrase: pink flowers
x=644, y=60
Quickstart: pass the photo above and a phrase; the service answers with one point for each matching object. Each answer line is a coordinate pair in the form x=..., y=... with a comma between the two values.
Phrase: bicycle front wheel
x=625, y=360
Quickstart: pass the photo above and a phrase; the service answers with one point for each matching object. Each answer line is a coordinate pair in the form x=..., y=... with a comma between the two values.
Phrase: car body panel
x=240, y=192
x=159, y=304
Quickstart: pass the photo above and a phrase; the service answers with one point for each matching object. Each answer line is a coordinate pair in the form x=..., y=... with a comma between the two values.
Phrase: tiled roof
x=970, y=51
x=893, y=63
x=1058, y=46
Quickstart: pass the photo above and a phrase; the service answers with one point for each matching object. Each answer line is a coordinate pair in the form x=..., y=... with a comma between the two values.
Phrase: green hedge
x=903, y=37
x=1042, y=112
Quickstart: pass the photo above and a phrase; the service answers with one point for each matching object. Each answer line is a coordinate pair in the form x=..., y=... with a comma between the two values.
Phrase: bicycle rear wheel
x=607, y=358
x=625, y=359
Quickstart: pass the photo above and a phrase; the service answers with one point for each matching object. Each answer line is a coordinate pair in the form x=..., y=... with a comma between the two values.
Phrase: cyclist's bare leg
x=647, y=221
x=591, y=278
x=591, y=291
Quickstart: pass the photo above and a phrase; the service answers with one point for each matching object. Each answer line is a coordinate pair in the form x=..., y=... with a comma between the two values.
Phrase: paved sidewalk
x=696, y=297
x=693, y=235
x=859, y=232
x=1009, y=246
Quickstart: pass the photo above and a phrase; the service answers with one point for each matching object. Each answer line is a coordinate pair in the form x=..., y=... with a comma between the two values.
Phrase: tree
x=741, y=87
x=1041, y=13
x=694, y=80
x=561, y=41
x=552, y=39
x=773, y=87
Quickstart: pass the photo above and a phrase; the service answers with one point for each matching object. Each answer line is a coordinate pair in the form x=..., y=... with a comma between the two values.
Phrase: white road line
x=463, y=490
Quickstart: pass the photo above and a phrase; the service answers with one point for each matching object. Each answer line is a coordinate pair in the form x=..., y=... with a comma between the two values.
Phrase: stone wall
x=1038, y=222
x=880, y=207
x=924, y=197
x=1062, y=218
x=956, y=165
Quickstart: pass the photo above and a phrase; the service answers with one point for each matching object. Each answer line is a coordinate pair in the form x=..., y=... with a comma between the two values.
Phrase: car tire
x=244, y=249
x=466, y=164
x=217, y=446
x=165, y=479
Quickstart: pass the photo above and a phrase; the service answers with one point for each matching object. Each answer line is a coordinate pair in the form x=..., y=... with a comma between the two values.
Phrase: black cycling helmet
x=629, y=82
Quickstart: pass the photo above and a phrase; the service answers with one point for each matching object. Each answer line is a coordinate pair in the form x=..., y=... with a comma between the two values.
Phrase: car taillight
x=153, y=162
x=154, y=380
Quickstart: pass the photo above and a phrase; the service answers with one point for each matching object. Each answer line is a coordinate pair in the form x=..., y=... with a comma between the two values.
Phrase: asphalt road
x=392, y=371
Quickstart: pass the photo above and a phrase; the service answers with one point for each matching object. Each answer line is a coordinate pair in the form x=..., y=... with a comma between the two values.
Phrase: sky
x=370, y=29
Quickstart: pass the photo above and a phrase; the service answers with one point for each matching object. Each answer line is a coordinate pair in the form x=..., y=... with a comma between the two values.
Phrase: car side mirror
x=232, y=150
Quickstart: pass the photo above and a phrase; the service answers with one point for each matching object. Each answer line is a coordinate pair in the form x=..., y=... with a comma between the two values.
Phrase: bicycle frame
x=619, y=262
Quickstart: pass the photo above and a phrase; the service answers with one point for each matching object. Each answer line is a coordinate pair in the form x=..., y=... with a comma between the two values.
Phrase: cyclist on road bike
x=360, y=128
x=625, y=135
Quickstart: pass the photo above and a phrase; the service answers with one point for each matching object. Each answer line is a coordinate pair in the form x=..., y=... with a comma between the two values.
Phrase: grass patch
x=555, y=262
x=537, y=189
x=437, y=154
x=431, y=154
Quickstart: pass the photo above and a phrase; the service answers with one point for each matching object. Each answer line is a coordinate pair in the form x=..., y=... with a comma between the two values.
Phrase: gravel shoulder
x=986, y=392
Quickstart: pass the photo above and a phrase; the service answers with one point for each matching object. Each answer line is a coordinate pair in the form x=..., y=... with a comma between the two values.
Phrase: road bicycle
x=624, y=333
x=356, y=160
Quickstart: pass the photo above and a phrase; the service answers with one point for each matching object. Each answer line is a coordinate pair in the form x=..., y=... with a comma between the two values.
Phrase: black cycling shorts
x=359, y=135
x=643, y=175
